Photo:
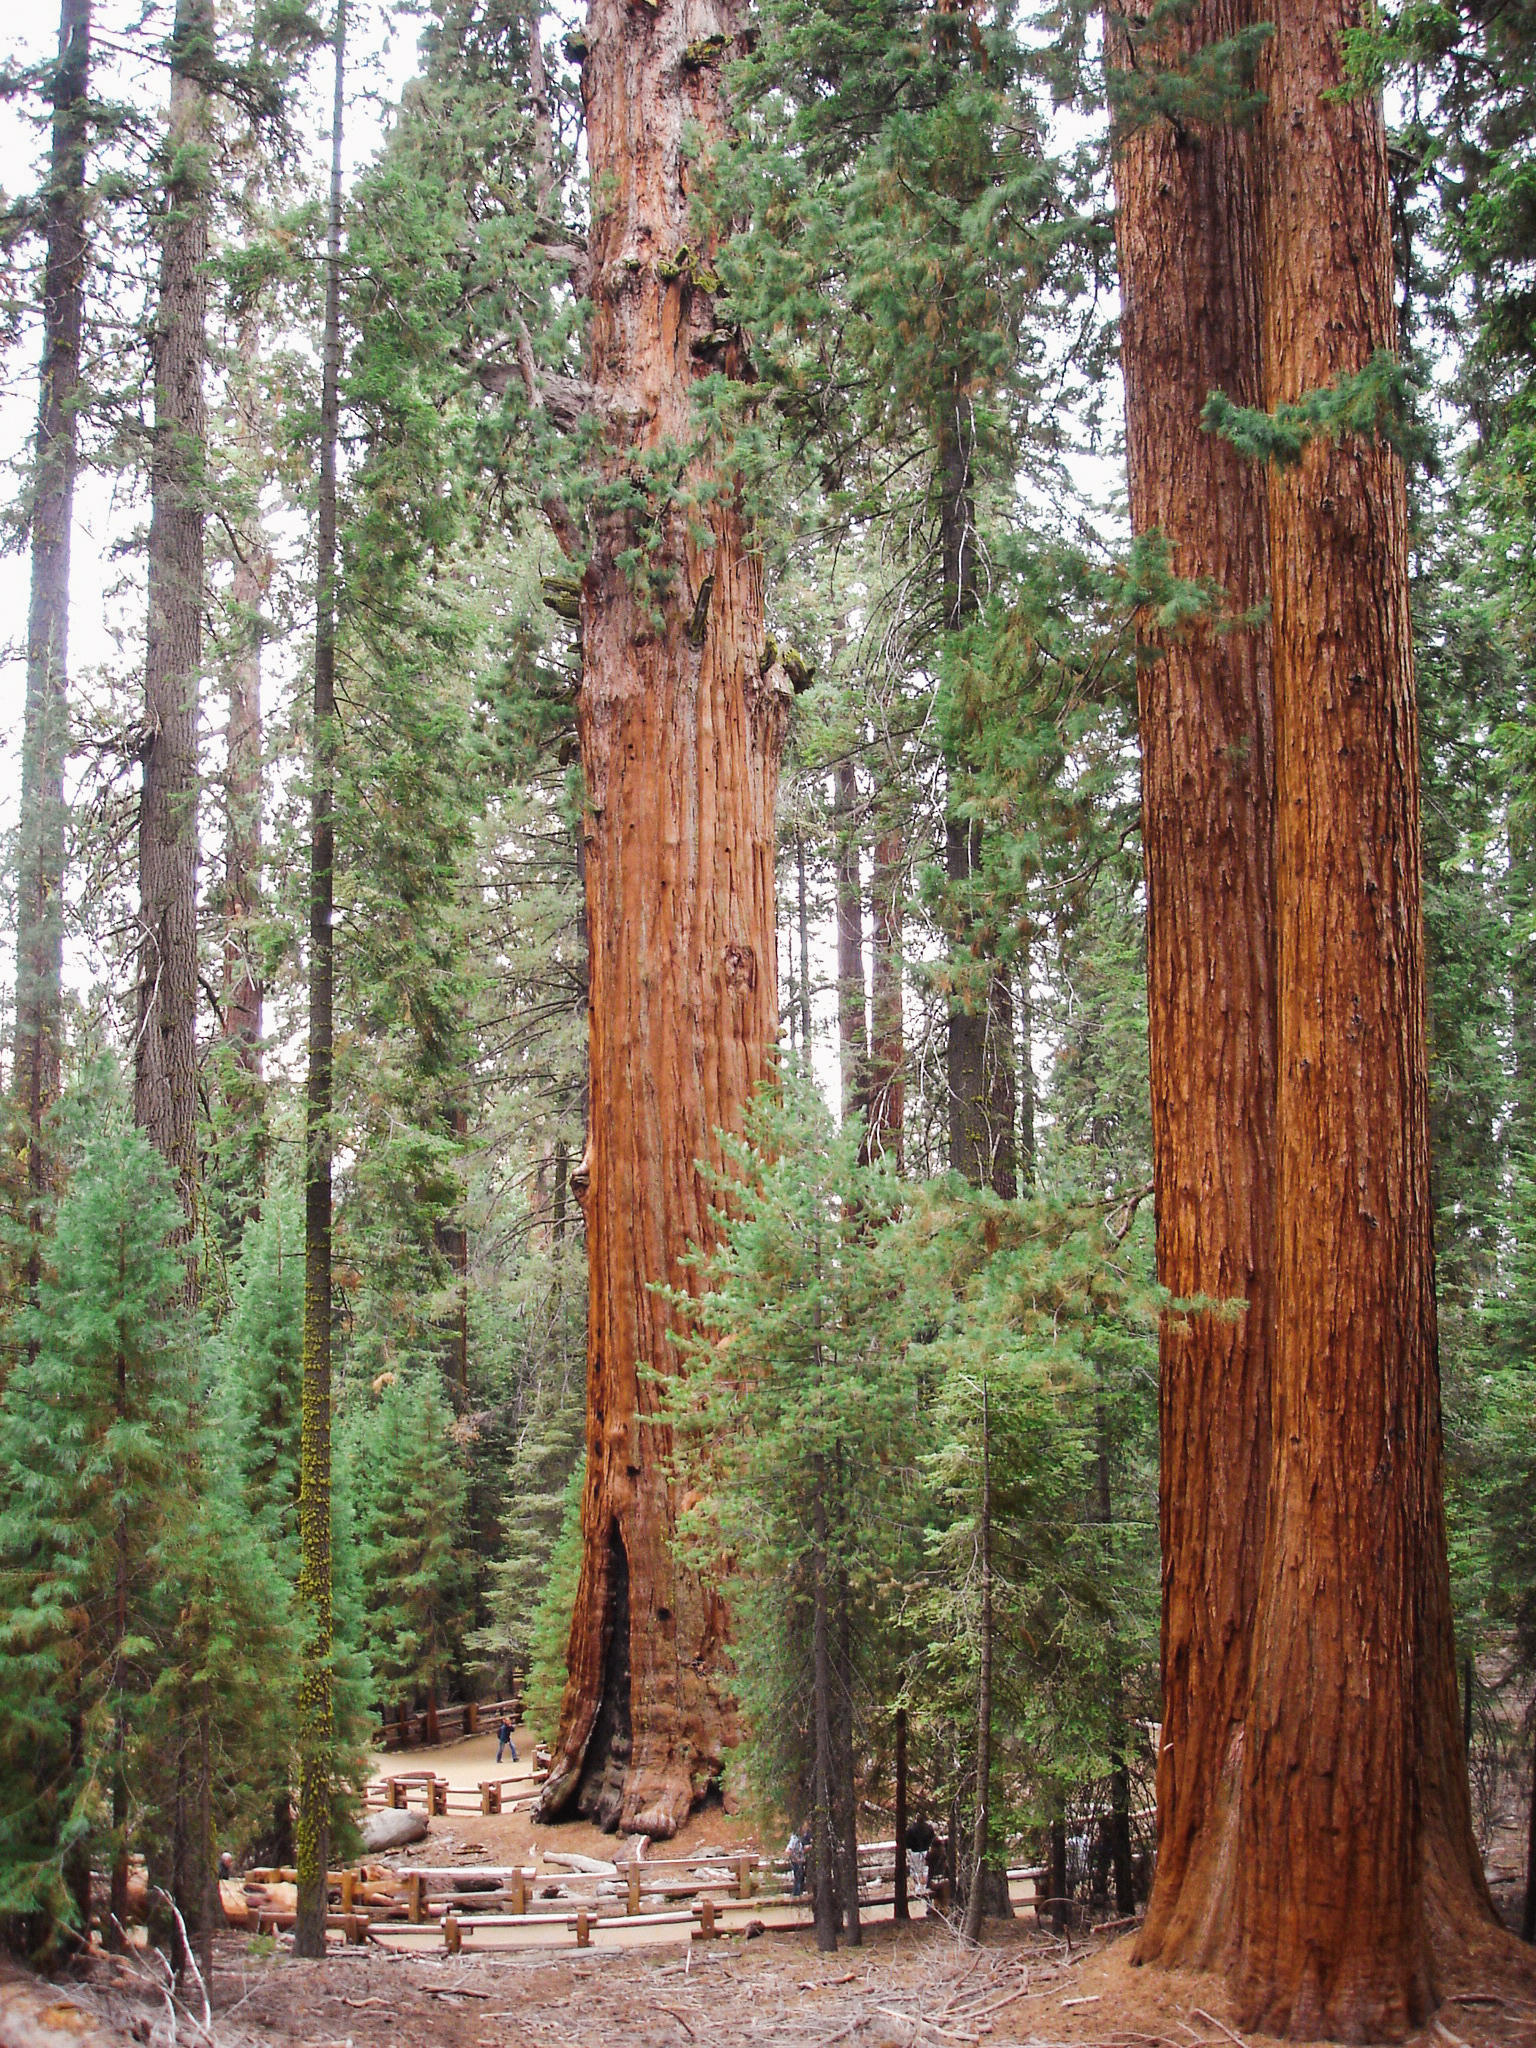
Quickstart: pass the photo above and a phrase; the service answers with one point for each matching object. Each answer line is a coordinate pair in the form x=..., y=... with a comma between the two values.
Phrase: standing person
x=796, y=1854
x=504, y=1740
x=918, y=1848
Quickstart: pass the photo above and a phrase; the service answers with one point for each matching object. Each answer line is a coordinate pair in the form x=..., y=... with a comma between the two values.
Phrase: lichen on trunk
x=681, y=725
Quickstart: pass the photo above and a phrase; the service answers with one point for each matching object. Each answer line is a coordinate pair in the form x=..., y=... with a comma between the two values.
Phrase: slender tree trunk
x=452, y=1239
x=117, y=1910
x=845, y=1781
x=852, y=1030
x=165, y=1045
x=1026, y=1042
x=823, y=1876
x=1187, y=227
x=1356, y=1854
x=1528, y=1916
x=243, y=740
x=887, y=1085
x=681, y=730
x=979, y=1061
x=316, y=1708
x=45, y=731
x=900, y=1910
x=1120, y=1789
x=803, y=928
x=976, y=1904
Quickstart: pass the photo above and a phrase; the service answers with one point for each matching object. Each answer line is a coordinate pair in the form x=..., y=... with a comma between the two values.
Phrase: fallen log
x=393, y=1828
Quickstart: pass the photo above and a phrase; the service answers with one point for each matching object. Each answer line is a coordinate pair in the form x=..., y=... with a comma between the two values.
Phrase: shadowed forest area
x=771, y=781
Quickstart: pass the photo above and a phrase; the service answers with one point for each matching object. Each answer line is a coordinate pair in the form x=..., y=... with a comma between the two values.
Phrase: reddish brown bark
x=165, y=1045
x=681, y=731
x=1355, y=1844
x=1188, y=229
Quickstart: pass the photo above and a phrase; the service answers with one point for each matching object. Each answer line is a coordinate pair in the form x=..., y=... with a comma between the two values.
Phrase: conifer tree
x=40, y=883
x=410, y=1540
x=94, y=1437
x=1187, y=180
x=165, y=1048
x=316, y=1692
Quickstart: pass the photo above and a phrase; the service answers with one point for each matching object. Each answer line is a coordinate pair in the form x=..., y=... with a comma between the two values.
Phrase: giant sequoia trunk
x=1187, y=226
x=681, y=727
x=1356, y=1852
x=165, y=1044
x=40, y=881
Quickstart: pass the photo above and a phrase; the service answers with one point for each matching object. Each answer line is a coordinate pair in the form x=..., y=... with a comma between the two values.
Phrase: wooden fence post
x=519, y=1890
x=583, y=1928
x=632, y=1874
x=437, y=1795
x=743, y=1876
x=396, y=1791
x=707, y=1919
x=471, y=1717
x=453, y=1934
x=417, y=1896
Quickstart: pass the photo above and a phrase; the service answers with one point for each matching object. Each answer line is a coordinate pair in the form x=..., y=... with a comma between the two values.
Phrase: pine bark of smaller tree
x=165, y=1043
x=1356, y=1858
x=852, y=1032
x=823, y=1874
x=1187, y=230
x=45, y=731
x=243, y=747
x=979, y=1050
x=976, y=1903
x=316, y=1718
x=681, y=723
x=887, y=1083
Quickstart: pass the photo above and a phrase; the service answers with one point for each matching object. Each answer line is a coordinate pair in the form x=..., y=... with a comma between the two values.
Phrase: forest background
x=922, y=265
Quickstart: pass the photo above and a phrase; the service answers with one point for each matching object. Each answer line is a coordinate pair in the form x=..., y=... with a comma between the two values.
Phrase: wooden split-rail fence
x=434, y=1795
x=457, y=1902
x=430, y=1725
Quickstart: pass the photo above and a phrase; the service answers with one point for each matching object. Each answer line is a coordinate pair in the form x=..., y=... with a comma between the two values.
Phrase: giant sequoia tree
x=1356, y=1855
x=681, y=716
x=1187, y=224
x=1312, y=1789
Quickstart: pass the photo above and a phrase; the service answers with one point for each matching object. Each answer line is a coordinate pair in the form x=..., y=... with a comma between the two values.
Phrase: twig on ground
x=671, y=2015
x=1212, y=2021
x=927, y=2026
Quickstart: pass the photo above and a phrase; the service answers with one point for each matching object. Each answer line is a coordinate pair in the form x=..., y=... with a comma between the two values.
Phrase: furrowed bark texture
x=45, y=731
x=681, y=732
x=165, y=1047
x=1356, y=1853
x=1187, y=225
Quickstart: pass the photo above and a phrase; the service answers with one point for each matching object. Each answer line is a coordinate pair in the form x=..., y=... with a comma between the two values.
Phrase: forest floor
x=902, y=1988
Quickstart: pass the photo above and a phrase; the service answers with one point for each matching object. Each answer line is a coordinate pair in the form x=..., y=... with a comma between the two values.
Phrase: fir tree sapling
x=95, y=1436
